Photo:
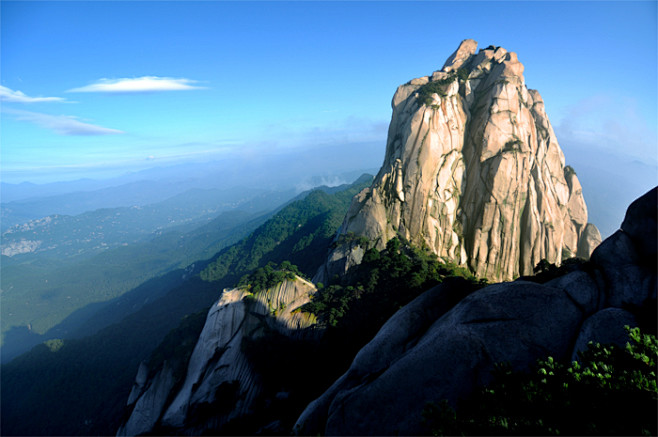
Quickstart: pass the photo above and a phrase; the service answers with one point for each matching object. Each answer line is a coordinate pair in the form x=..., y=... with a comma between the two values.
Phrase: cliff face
x=432, y=349
x=473, y=171
x=220, y=383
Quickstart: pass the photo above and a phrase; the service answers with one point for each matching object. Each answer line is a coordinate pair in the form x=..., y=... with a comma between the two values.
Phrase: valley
x=328, y=218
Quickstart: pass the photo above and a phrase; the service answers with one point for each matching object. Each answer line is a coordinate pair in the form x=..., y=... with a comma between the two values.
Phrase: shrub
x=610, y=390
x=434, y=87
x=512, y=145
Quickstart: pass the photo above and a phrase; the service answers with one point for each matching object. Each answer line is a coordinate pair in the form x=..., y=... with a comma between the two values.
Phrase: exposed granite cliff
x=432, y=349
x=472, y=170
x=220, y=383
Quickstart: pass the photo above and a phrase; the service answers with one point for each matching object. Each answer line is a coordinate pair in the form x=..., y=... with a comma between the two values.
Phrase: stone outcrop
x=432, y=349
x=220, y=384
x=473, y=171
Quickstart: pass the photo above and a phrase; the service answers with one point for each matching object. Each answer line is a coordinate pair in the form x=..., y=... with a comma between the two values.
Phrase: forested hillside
x=48, y=293
x=55, y=388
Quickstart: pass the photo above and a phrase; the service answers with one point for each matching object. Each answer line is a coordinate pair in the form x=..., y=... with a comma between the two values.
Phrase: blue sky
x=89, y=87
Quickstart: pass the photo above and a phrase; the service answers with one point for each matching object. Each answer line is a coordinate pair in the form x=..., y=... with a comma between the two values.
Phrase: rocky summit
x=432, y=349
x=473, y=171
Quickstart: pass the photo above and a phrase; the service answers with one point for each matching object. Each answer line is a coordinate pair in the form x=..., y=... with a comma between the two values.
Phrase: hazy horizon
x=97, y=89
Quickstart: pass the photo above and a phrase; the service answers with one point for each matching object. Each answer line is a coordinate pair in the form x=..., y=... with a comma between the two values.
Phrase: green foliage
x=568, y=171
x=462, y=73
x=546, y=271
x=351, y=311
x=300, y=233
x=82, y=388
x=352, y=239
x=61, y=393
x=44, y=292
x=513, y=145
x=355, y=309
x=610, y=390
x=437, y=86
x=269, y=276
x=54, y=345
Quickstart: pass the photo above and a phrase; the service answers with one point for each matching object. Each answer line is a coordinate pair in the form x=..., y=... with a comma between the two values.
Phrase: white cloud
x=61, y=124
x=11, y=96
x=137, y=85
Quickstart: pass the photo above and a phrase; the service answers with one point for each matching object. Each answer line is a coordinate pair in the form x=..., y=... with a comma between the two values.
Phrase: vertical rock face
x=220, y=383
x=473, y=171
x=433, y=349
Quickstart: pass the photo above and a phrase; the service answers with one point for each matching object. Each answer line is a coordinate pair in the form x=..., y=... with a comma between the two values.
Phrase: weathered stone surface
x=398, y=335
x=413, y=360
x=394, y=376
x=150, y=404
x=476, y=173
x=640, y=223
x=140, y=382
x=627, y=280
x=588, y=241
x=465, y=50
x=218, y=366
x=582, y=289
x=605, y=327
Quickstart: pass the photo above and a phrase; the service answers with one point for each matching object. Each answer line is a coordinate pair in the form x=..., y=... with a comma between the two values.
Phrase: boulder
x=627, y=279
x=640, y=223
x=403, y=368
x=605, y=327
x=431, y=351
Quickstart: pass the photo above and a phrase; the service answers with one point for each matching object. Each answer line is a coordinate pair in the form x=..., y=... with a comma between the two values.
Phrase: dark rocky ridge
x=427, y=352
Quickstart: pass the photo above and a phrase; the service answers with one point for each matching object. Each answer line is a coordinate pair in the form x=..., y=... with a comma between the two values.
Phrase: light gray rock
x=217, y=366
x=413, y=360
x=605, y=327
x=475, y=174
x=150, y=404
x=140, y=382
x=589, y=240
x=463, y=53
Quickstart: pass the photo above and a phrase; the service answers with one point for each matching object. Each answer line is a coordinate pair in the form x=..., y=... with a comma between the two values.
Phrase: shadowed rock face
x=220, y=383
x=473, y=170
x=429, y=351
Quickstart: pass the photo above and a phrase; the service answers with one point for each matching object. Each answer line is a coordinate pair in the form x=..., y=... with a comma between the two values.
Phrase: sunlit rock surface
x=432, y=349
x=220, y=384
x=473, y=170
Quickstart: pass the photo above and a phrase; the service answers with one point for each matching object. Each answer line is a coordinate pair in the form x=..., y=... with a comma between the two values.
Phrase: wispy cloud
x=611, y=123
x=144, y=84
x=60, y=124
x=11, y=96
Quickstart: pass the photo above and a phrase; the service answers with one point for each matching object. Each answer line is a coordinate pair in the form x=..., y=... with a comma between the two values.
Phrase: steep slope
x=473, y=171
x=220, y=383
x=430, y=351
x=57, y=391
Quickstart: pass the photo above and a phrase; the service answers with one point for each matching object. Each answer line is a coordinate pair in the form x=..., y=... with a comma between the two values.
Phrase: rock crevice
x=473, y=171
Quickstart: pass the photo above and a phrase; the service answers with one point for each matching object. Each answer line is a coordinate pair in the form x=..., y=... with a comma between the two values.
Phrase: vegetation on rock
x=609, y=391
x=435, y=87
x=269, y=276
